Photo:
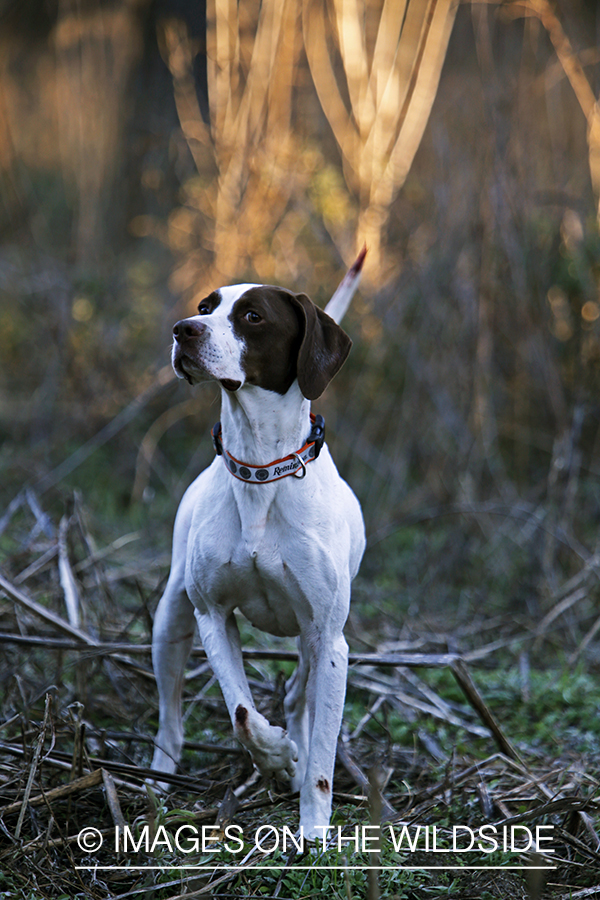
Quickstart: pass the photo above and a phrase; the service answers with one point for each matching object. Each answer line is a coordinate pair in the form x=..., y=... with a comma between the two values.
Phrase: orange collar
x=293, y=464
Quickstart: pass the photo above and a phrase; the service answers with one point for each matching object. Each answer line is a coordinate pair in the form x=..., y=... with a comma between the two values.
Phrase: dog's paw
x=162, y=761
x=161, y=788
x=317, y=838
x=273, y=752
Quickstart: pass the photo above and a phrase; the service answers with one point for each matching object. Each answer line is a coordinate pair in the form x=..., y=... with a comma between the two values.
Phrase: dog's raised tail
x=339, y=303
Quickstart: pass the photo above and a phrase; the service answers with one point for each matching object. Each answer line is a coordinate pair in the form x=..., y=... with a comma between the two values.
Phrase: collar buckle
x=215, y=432
x=317, y=433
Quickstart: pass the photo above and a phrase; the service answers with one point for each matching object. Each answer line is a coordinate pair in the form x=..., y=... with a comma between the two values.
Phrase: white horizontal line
x=244, y=868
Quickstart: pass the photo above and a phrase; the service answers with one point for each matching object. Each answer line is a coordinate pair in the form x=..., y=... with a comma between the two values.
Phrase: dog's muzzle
x=186, y=333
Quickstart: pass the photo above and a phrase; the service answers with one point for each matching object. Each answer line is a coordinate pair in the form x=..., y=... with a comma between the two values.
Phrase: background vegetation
x=150, y=152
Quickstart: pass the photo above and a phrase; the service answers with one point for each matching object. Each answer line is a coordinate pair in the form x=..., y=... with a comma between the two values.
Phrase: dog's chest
x=250, y=558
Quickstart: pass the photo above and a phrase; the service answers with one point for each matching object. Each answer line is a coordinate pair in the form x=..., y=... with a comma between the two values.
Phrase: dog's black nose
x=187, y=329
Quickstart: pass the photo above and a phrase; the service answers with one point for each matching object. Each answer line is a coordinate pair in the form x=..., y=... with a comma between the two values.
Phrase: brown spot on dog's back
x=241, y=718
x=323, y=785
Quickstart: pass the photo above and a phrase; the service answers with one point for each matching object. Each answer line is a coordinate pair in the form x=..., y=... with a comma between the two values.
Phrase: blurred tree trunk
x=95, y=47
x=250, y=81
x=10, y=199
x=390, y=81
x=578, y=80
x=251, y=125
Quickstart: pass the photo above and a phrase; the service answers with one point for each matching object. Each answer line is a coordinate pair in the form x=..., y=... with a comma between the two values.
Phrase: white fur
x=284, y=554
x=222, y=352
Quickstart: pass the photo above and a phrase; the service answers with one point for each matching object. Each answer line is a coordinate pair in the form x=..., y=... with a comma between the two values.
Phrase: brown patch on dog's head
x=287, y=337
x=264, y=319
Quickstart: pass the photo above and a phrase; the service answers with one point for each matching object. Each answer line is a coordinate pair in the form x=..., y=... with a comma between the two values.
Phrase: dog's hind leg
x=296, y=715
x=172, y=638
x=270, y=747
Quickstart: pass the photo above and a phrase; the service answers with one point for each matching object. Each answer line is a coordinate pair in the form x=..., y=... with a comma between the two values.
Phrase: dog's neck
x=260, y=426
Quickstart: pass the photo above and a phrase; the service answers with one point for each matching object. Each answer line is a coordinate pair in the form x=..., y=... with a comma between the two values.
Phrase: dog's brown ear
x=323, y=350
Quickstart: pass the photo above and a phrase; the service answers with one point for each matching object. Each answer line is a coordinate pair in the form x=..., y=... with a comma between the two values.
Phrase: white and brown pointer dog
x=269, y=528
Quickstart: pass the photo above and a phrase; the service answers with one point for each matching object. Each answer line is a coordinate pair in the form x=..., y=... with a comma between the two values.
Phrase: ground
x=507, y=738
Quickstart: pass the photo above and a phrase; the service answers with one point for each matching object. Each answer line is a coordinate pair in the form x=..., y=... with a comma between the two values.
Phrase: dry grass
x=76, y=736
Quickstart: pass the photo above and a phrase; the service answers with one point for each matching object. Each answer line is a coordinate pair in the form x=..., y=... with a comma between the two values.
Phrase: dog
x=269, y=528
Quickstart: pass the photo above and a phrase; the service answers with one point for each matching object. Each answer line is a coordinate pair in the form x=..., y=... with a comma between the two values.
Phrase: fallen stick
x=67, y=578
x=467, y=685
x=63, y=761
x=57, y=793
x=410, y=660
x=112, y=798
x=57, y=621
x=33, y=769
x=343, y=756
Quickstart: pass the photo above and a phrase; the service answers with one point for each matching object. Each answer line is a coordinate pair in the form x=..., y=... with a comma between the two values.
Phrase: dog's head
x=260, y=335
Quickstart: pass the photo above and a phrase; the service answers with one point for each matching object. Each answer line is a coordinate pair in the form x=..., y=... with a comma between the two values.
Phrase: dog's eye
x=203, y=309
x=252, y=317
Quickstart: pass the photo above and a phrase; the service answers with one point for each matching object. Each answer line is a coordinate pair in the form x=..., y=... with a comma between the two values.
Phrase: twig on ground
x=367, y=717
x=33, y=767
x=561, y=607
x=410, y=660
x=467, y=685
x=35, y=566
x=11, y=509
x=583, y=894
x=112, y=798
x=57, y=793
x=591, y=634
x=376, y=815
x=344, y=757
x=43, y=522
x=58, y=622
x=67, y=578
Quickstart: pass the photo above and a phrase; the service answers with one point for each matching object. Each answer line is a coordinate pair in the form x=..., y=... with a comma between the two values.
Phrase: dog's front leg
x=325, y=692
x=270, y=747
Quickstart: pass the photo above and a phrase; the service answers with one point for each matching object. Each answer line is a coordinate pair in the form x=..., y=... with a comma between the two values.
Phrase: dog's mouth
x=184, y=367
x=189, y=369
x=230, y=384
